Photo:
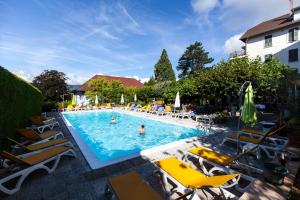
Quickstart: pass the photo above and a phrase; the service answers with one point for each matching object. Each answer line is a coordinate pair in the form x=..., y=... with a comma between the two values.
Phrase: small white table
x=250, y=146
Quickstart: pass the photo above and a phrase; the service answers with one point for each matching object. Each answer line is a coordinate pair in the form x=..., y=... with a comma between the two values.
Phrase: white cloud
x=202, y=8
x=77, y=79
x=237, y=14
x=143, y=80
x=24, y=75
x=245, y=13
x=233, y=43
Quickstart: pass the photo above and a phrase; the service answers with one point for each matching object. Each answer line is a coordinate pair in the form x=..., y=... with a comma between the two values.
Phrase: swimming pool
x=104, y=143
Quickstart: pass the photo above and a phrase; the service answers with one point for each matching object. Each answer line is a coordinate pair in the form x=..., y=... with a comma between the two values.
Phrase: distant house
x=127, y=82
x=72, y=88
x=278, y=37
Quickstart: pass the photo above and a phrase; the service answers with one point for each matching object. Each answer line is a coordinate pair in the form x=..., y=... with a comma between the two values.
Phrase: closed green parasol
x=249, y=110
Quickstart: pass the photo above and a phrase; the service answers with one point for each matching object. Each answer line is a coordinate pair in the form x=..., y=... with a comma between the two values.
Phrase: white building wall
x=280, y=47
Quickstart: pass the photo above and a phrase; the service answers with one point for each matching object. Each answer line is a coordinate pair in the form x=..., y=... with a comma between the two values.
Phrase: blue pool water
x=110, y=141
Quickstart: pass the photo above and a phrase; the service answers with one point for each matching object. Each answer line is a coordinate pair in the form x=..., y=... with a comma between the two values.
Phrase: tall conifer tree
x=193, y=60
x=163, y=70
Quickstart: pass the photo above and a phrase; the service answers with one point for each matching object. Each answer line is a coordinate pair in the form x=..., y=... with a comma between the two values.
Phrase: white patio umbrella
x=177, y=101
x=135, y=97
x=122, y=99
x=96, y=100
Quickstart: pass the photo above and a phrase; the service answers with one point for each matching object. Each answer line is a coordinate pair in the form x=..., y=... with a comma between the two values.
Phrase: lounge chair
x=28, y=163
x=132, y=107
x=188, y=180
x=127, y=107
x=272, y=137
x=153, y=109
x=211, y=163
x=43, y=144
x=108, y=106
x=159, y=111
x=78, y=107
x=137, y=107
x=130, y=186
x=145, y=108
x=167, y=111
x=70, y=107
x=142, y=108
x=34, y=136
x=40, y=124
x=270, y=146
x=183, y=115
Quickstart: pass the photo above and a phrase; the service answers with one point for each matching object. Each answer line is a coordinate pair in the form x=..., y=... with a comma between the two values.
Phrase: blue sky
x=84, y=38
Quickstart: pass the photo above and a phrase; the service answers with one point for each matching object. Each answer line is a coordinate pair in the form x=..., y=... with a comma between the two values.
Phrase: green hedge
x=18, y=101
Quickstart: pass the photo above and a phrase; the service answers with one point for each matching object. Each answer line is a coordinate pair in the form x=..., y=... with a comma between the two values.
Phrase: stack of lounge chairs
x=269, y=143
x=39, y=149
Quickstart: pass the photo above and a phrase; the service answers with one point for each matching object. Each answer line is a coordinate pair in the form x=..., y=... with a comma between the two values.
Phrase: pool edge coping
x=95, y=163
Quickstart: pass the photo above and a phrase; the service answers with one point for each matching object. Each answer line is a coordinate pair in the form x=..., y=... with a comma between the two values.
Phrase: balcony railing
x=240, y=53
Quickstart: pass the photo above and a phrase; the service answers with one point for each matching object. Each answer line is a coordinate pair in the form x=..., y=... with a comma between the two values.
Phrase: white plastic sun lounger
x=270, y=149
x=188, y=181
x=211, y=163
x=28, y=163
x=49, y=123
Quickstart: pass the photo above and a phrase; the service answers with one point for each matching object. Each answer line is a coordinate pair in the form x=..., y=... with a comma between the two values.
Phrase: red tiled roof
x=127, y=82
x=270, y=25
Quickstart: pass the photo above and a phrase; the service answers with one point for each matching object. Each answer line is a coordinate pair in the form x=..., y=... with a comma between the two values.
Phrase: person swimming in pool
x=113, y=120
x=142, y=129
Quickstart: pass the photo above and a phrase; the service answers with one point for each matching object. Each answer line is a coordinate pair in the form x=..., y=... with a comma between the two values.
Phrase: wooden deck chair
x=130, y=186
x=188, y=180
x=34, y=136
x=26, y=164
x=211, y=163
x=43, y=145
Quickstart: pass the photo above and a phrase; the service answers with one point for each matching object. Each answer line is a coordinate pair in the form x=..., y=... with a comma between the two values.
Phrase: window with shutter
x=268, y=41
x=293, y=55
x=293, y=34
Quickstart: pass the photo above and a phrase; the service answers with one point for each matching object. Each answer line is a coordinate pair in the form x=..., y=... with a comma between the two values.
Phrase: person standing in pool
x=113, y=120
x=142, y=129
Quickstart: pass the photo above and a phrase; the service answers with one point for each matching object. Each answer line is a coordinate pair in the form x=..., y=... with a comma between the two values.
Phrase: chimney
x=296, y=14
x=291, y=7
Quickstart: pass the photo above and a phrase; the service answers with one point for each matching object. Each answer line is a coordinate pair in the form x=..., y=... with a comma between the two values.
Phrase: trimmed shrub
x=19, y=100
x=48, y=106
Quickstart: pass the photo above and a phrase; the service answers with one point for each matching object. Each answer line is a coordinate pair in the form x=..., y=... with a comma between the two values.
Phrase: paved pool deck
x=74, y=179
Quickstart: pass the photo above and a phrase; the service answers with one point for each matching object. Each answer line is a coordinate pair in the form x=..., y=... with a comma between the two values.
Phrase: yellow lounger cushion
x=212, y=156
x=131, y=186
x=190, y=177
x=243, y=138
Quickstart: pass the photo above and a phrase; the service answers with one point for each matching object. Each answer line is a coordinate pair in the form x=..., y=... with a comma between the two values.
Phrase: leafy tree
x=223, y=80
x=151, y=82
x=193, y=60
x=52, y=84
x=163, y=70
x=107, y=91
